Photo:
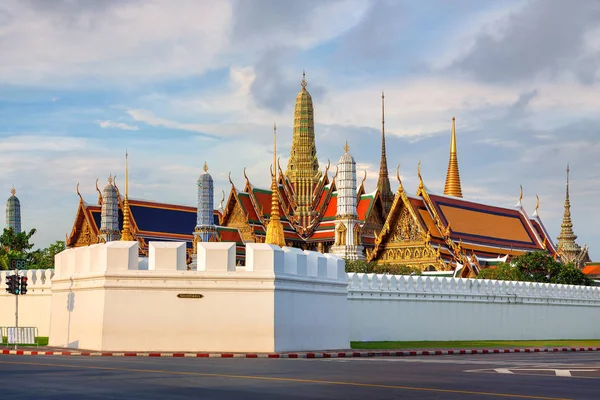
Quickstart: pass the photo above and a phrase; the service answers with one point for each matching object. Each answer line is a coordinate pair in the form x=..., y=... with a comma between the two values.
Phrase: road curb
x=333, y=354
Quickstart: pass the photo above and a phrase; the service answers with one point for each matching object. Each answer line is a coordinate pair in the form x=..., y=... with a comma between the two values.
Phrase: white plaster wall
x=262, y=307
x=312, y=314
x=385, y=307
x=34, y=307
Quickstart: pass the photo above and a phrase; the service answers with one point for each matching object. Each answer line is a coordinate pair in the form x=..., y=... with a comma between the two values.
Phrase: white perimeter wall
x=105, y=298
x=387, y=307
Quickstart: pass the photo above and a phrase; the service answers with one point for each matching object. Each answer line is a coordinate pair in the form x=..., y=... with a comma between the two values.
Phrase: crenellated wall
x=104, y=297
x=432, y=308
x=34, y=307
x=283, y=299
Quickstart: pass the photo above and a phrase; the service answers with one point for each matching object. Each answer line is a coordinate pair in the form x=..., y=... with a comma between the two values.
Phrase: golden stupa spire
x=126, y=234
x=13, y=191
x=275, y=228
x=453, y=187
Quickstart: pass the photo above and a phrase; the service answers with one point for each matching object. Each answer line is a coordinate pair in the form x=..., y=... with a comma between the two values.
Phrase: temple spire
x=566, y=239
x=383, y=183
x=126, y=234
x=453, y=187
x=275, y=228
x=303, y=165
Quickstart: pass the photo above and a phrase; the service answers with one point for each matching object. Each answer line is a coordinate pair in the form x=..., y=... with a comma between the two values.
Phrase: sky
x=180, y=82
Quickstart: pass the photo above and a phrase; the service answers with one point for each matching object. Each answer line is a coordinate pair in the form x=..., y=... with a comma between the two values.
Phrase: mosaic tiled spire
x=303, y=166
x=346, y=184
x=453, y=187
x=383, y=184
x=347, y=227
x=109, y=218
x=275, y=228
x=205, y=225
x=566, y=239
x=13, y=212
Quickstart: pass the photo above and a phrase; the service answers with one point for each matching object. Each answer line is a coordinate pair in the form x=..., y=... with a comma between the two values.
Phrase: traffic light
x=23, y=285
x=9, y=283
x=16, y=285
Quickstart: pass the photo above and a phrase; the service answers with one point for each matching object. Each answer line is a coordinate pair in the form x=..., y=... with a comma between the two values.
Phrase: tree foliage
x=374, y=268
x=538, y=266
x=19, y=245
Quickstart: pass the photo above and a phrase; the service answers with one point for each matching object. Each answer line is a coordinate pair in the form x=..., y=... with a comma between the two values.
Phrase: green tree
x=501, y=272
x=44, y=258
x=537, y=266
x=19, y=245
x=571, y=275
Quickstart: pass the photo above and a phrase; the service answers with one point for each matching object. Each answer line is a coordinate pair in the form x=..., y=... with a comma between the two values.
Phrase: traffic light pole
x=16, y=312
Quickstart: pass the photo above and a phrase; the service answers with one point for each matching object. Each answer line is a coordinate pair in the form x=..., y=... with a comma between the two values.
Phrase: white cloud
x=121, y=40
x=118, y=125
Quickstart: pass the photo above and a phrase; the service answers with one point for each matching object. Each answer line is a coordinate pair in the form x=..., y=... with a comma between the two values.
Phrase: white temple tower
x=13, y=212
x=109, y=219
x=347, y=227
x=206, y=230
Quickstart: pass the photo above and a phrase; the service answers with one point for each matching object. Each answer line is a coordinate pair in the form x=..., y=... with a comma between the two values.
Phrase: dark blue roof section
x=97, y=218
x=164, y=220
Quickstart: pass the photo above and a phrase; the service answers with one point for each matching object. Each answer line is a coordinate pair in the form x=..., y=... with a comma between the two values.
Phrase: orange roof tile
x=591, y=269
x=364, y=207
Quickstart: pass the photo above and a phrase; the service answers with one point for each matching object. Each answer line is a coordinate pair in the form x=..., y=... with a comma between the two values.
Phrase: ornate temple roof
x=465, y=231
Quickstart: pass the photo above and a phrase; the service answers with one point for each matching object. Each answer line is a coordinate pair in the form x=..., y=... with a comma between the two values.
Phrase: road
x=497, y=376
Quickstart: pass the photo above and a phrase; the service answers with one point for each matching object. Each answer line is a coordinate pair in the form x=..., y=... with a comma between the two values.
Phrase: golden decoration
x=275, y=233
x=453, y=187
x=126, y=234
x=205, y=168
x=13, y=191
x=346, y=147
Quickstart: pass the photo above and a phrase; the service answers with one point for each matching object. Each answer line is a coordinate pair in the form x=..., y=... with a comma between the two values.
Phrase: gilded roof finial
x=110, y=179
x=346, y=147
x=205, y=168
x=520, y=194
x=275, y=228
x=421, y=185
x=453, y=186
x=537, y=204
x=13, y=191
x=126, y=234
x=303, y=80
x=78, y=194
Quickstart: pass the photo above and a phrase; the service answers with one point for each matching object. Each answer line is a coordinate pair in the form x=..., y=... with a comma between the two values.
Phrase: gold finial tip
x=205, y=168
x=13, y=191
x=453, y=118
x=303, y=79
x=110, y=179
x=346, y=147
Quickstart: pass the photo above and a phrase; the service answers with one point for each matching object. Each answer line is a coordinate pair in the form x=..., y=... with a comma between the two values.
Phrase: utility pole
x=17, y=309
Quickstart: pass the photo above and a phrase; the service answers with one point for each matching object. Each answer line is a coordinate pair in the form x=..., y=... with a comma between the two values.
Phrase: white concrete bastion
x=104, y=298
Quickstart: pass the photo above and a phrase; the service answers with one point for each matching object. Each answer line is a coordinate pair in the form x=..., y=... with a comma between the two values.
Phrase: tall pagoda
x=568, y=249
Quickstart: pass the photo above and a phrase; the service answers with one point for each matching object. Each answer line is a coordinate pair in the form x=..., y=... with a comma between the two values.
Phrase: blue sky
x=181, y=82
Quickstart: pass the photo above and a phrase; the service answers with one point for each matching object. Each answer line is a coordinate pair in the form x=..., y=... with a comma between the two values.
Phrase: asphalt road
x=500, y=376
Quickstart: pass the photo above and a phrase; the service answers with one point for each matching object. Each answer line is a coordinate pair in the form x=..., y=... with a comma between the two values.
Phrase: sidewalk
x=54, y=351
